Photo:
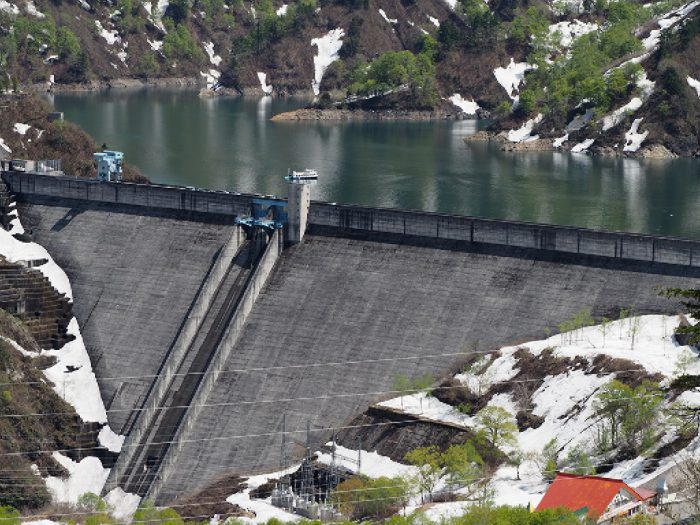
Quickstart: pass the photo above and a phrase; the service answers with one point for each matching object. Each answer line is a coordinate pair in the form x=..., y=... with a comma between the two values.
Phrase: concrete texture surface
x=134, y=275
x=337, y=300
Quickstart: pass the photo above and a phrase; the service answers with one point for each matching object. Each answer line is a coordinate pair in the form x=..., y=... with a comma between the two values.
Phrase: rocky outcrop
x=656, y=151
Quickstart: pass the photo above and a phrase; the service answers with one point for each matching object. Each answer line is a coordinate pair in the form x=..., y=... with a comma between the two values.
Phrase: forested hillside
x=571, y=72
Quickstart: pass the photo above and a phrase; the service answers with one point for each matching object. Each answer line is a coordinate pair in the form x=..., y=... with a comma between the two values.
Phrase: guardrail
x=172, y=362
x=233, y=332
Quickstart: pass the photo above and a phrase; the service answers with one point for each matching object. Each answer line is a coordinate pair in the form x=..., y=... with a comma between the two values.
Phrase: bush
x=179, y=44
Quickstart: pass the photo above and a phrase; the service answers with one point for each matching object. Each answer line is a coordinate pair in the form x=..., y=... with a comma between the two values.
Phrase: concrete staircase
x=154, y=445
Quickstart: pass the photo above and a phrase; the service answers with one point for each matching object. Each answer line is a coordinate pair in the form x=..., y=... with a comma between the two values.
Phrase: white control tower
x=299, y=198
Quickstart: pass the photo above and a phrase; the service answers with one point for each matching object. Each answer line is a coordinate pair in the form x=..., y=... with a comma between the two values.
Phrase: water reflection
x=177, y=137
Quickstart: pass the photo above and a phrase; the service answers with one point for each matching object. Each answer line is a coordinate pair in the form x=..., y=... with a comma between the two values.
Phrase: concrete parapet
x=582, y=241
x=149, y=195
x=255, y=284
x=172, y=362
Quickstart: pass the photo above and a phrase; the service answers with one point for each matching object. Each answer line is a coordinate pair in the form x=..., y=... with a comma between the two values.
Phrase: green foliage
x=90, y=502
x=9, y=515
x=179, y=44
x=406, y=385
x=149, y=514
x=67, y=44
x=690, y=299
x=461, y=464
x=534, y=23
x=497, y=425
x=395, y=69
x=351, y=43
x=429, y=461
x=79, y=68
x=578, y=79
x=549, y=464
x=179, y=10
x=147, y=65
x=629, y=416
x=579, y=462
x=504, y=515
x=361, y=498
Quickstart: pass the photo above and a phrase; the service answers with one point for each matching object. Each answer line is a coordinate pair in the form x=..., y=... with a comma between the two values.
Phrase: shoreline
x=344, y=115
x=653, y=151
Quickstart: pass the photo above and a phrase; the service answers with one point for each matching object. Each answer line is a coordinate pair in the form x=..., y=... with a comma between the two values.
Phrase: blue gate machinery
x=265, y=213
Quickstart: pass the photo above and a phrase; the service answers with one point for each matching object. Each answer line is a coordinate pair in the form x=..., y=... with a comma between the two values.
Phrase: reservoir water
x=176, y=137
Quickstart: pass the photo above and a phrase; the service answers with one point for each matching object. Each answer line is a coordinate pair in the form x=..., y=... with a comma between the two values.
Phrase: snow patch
x=389, y=20
x=263, y=509
x=211, y=77
x=4, y=146
x=282, y=10
x=582, y=146
x=511, y=76
x=328, y=47
x=111, y=37
x=524, y=132
x=434, y=20
x=156, y=45
x=123, y=504
x=557, y=143
x=570, y=31
x=617, y=116
x=695, y=84
x=86, y=476
x=7, y=7
x=213, y=57
x=451, y=3
x=467, y=106
x=634, y=139
x=32, y=10
x=262, y=77
x=21, y=128
x=110, y=440
x=371, y=464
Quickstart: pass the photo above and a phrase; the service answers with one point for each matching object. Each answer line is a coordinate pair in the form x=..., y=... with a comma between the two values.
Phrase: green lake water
x=176, y=137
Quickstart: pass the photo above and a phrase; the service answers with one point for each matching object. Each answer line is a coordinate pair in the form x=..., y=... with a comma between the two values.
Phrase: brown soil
x=211, y=501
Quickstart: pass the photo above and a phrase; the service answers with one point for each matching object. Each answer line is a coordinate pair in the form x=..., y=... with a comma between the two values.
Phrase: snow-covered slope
x=72, y=376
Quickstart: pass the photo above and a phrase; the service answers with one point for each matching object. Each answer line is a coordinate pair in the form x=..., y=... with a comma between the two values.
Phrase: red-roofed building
x=601, y=498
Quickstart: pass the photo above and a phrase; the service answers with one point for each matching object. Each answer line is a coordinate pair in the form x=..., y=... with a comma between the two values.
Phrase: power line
x=306, y=398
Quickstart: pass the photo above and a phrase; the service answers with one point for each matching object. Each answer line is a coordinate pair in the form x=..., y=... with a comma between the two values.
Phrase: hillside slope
x=570, y=73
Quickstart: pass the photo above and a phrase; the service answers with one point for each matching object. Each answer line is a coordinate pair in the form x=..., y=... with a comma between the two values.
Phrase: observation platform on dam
x=369, y=294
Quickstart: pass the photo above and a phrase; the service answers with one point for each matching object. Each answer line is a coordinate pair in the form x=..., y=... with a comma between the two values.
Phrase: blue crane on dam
x=291, y=216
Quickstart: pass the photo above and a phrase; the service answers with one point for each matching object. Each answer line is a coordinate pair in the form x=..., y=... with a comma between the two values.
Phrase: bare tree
x=689, y=472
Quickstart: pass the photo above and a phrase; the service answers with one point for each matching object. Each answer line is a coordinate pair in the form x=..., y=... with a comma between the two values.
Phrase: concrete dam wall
x=368, y=295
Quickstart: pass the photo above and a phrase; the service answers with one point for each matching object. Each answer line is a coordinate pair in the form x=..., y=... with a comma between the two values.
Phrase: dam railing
x=172, y=362
x=233, y=332
x=565, y=239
